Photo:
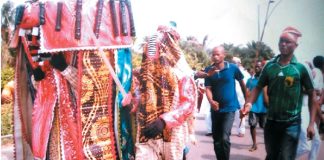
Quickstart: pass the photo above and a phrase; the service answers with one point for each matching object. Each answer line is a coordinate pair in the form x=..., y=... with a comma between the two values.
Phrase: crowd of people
x=284, y=96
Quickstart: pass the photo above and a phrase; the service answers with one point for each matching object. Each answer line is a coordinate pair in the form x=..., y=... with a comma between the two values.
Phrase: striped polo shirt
x=285, y=85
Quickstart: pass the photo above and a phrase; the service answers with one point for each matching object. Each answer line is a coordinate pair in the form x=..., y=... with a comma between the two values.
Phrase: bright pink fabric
x=43, y=113
x=64, y=39
x=183, y=104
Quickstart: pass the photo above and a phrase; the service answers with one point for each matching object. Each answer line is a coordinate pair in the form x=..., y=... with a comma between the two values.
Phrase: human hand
x=212, y=71
x=245, y=110
x=193, y=139
x=200, y=74
x=127, y=99
x=38, y=74
x=214, y=105
x=134, y=108
x=58, y=61
x=154, y=129
x=310, y=132
x=242, y=115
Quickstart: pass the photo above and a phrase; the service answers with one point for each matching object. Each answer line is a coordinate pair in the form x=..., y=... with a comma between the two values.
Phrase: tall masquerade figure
x=165, y=98
x=73, y=60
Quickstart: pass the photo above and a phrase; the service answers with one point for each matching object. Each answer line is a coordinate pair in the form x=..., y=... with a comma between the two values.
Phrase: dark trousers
x=281, y=139
x=221, y=128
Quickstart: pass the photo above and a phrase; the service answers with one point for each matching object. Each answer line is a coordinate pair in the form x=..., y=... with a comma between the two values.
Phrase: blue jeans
x=221, y=128
x=281, y=139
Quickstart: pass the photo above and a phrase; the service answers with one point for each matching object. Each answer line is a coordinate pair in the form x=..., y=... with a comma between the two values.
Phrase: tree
x=260, y=50
x=256, y=51
x=6, y=21
x=195, y=53
x=232, y=51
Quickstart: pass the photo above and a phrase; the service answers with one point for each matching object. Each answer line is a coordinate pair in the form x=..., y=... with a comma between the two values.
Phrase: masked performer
x=168, y=96
x=70, y=112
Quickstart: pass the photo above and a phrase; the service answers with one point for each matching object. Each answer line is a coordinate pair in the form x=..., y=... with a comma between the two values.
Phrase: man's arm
x=313, y=108
x=200, y=74
x=209, y=94
x=250, y=100
x=265, y=96
x=322, y=97
x=243, y=88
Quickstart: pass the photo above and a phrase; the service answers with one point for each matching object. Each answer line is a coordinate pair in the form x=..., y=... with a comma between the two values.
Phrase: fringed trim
x=17, y=93
x=78, y=99
x=117, y=128
x=110, y=103
x=43, y=50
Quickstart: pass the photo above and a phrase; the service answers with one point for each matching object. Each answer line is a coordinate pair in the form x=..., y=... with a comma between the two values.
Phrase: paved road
x=203, y=150
x=239, y=148
x=7, y=152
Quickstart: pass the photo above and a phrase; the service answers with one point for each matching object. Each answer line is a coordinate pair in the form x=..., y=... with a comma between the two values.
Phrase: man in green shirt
x=285, y=78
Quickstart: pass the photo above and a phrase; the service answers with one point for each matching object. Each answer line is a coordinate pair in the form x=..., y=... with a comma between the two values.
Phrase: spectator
x=240, y=123
x=221, y=94
x=304, y=146
x=258, y=110
x=285, y=78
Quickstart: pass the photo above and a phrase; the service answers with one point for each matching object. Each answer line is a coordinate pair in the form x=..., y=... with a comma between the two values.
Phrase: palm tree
x=255, y=51
x=7, y=12
x=260, y=51
x=250, y=54
x=6, y=19
x=195, y=53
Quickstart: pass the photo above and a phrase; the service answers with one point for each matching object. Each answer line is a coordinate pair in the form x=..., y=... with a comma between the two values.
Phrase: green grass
x=6, y=119
x=7, y=74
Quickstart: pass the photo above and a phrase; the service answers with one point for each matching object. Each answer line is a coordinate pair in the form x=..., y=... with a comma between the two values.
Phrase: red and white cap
x=291, y=33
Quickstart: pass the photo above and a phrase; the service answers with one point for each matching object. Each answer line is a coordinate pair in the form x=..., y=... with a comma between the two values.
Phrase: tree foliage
x=7, y=14
x=136, y=59
x=195, y=53
x=252, y=52
x=6, y=21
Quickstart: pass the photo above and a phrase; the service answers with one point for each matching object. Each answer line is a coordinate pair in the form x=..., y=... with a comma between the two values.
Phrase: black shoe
x=208, y=134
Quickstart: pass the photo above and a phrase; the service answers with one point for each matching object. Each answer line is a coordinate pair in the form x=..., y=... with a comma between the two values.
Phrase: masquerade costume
x=168, y=97
x=71, y=113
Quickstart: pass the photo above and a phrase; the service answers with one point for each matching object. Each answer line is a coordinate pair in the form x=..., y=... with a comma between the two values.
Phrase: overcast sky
x=235, y=21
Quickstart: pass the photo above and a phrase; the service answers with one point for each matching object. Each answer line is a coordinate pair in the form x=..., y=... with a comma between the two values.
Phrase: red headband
x=291, y=33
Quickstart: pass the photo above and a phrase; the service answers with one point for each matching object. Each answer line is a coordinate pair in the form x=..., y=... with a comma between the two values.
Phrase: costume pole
x=112, y=72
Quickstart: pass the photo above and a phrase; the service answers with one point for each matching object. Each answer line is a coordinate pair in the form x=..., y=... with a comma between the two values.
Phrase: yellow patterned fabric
x=54, y=148
x=157, y=87
x=162, y=84
x=96, y=107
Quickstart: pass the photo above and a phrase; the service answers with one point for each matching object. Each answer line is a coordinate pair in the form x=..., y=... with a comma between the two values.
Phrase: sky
x=235, y=21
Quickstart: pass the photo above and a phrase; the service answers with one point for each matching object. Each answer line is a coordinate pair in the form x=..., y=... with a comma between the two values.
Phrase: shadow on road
x=200, y=118
x=200, y=133
x=242, y=157
x=206, y=141
x=240, y=146
x=208, y=156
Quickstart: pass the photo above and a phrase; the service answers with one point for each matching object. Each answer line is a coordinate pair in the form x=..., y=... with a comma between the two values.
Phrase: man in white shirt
x=240, y=125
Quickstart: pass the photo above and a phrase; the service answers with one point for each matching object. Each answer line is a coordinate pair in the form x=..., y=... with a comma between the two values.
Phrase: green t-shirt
x=285, y=85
